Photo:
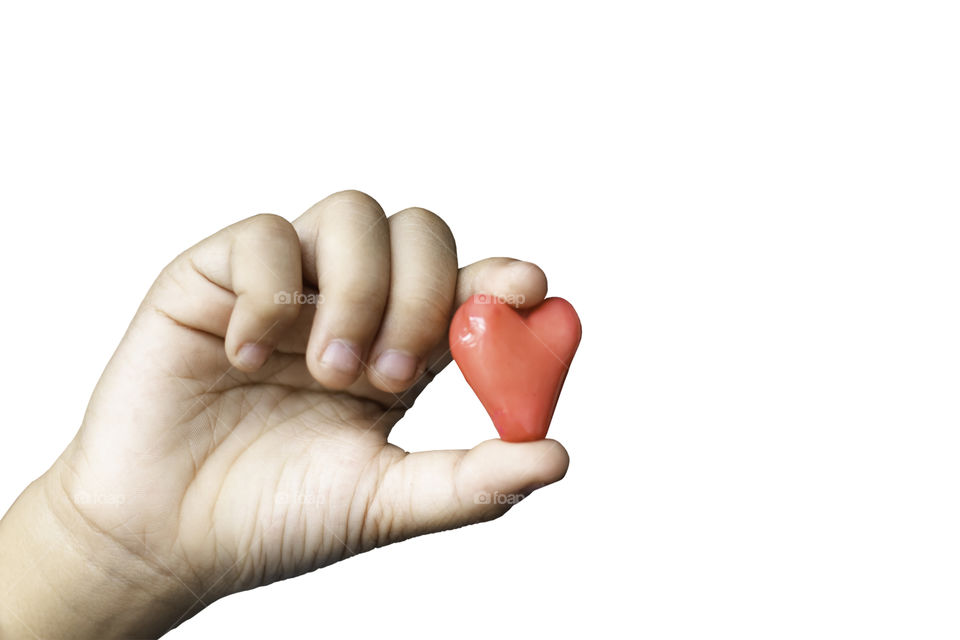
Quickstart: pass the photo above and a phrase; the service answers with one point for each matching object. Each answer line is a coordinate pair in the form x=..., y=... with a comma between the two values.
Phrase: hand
x=239, y=434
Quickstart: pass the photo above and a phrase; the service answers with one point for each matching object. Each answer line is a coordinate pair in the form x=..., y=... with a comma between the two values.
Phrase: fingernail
x=252, y=355
x=396, y=365
x=341, y=356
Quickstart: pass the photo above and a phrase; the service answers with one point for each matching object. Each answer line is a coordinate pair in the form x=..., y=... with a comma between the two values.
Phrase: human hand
x=238, y=437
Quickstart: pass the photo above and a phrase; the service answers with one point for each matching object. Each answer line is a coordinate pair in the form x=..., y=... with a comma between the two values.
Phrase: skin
x=220, y=451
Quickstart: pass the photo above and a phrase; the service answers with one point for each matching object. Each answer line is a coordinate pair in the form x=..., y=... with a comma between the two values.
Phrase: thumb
x=438, y=490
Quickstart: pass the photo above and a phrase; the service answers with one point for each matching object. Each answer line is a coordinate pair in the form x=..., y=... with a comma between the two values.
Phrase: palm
x=242, y=479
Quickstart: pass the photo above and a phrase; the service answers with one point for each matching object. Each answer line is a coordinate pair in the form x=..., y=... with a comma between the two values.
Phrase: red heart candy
x=515, y=361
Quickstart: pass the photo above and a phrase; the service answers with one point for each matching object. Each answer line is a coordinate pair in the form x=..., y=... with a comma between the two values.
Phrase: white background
x=753, y=207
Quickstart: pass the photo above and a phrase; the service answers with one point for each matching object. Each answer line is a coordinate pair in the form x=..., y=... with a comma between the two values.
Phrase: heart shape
x=515, y=361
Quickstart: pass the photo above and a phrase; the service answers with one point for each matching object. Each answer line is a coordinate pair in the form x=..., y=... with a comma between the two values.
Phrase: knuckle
x=417, y=213
x=420, y=216
x=356, y=201
x=177, y=271
x=270, y=223
x=265, y=231
x=423, y=219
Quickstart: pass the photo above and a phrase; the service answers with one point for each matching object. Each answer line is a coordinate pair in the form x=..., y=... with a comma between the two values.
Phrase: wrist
x=62, y=578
